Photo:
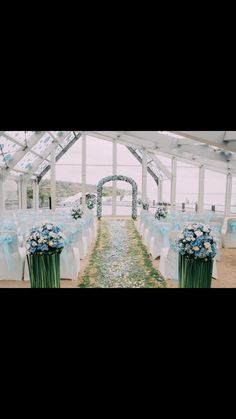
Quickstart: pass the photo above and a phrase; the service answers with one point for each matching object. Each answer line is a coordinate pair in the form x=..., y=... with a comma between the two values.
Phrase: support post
x=84, y=172
x=173, y=183
x=24, y=194
x=228, y=194
x=2, y=193
x=160, y=191
x=35, y=194
x=144, y=175
x=201, y=187
x=114, y=172
x=53, y=176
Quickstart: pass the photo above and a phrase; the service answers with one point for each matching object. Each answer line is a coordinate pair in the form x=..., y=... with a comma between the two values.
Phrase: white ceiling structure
x=28, y=153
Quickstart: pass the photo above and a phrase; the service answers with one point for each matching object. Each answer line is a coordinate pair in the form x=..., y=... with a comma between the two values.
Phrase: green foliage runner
x=120, y=260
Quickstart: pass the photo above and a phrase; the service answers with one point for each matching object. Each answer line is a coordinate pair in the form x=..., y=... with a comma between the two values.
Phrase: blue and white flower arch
x=112, y=179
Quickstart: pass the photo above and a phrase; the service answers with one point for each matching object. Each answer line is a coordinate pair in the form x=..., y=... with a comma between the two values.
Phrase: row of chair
x=13, y=261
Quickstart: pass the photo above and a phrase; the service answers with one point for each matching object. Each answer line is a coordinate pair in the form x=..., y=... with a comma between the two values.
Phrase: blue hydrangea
x=197, y=242
x=161, y=213
x=47, y=238
x=76, y=212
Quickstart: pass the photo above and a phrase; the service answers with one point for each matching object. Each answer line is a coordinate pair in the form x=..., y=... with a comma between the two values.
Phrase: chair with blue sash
x=169, y=261
x=169, y=258
x=12, y=258
x=229, y=238
x=160, y=239
x=145, y=216
x=69, y=259
x=79, y=237
x=216, y=231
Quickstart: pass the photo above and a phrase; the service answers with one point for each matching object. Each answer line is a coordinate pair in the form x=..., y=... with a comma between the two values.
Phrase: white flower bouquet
x=145, y=206
x=76, y=212
x=161, y=213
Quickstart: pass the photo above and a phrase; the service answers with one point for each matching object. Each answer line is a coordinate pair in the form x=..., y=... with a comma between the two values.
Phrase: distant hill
x=65, y=189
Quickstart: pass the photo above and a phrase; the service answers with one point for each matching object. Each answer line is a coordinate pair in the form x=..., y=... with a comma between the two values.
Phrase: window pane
x=187, y=185
x=215, y=187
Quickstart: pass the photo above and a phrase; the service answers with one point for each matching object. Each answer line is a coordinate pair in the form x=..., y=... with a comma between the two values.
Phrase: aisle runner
x=120, y=260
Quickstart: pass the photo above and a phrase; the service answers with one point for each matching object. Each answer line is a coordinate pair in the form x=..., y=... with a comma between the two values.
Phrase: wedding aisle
x=119, y=259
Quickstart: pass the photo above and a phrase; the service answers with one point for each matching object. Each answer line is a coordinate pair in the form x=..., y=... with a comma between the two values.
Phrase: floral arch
x=114, y=178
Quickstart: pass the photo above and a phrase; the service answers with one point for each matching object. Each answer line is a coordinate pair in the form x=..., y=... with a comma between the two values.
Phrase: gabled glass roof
x=42, y=144
x=26, y=163
x=20, y=136
x=29, y=152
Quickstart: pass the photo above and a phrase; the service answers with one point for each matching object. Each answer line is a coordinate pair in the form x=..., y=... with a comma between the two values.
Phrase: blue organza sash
x=7, y=247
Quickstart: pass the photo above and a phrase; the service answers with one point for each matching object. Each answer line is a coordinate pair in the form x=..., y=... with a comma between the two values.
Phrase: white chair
x=229, y=236
x=216, y=232
x=159, y=239
x=12, y=257
x=69, y=263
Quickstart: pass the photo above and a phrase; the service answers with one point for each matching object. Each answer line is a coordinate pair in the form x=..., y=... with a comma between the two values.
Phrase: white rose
x=181, y=236
x=198, y=233
x=190, y=227
x=196, y=248
x=207, y=245
x=53, y=234
x=206, y=229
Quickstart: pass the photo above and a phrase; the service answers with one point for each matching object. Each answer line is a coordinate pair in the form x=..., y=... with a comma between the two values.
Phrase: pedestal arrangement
x=44, y=246
x=197, y=248
x=195, y=273
x=44, y=270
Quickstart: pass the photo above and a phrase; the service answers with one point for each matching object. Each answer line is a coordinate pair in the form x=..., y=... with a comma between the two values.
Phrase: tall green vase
x=195, y=273
x=44, y=270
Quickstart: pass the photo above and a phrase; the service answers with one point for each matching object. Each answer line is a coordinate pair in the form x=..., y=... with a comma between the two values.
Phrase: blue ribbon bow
x=233, y=226
x=7, y=243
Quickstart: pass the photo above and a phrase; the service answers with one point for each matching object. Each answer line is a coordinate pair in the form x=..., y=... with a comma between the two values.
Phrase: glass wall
x=68, y=179
x=127, y=165
x=187, y=185
x=11, y=195
x=166, y=186
x=215, y=188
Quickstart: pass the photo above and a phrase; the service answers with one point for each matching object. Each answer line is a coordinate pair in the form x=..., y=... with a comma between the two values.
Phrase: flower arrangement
x=90, y=203
x=161, y=213
x=197, y=242
x=47, y=238
x=76, y=212
x=145, y=206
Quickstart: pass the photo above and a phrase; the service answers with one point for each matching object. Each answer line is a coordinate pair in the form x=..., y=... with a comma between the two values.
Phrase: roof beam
x=160, y=165
x=222, y=139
